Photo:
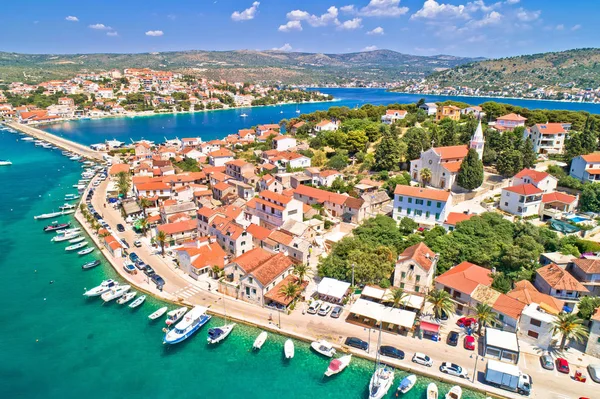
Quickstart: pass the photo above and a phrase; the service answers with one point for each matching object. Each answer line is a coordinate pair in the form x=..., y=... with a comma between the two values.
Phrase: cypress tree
x=470, y=174
x=528, y=153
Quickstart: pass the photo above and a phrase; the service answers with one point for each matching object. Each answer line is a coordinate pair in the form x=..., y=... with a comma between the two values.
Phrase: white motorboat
x=47, y=215
x=76, y=239
x=76, y=246
x=191, y=323
x=155, y=315
x=71, y=197
x=68, y=231
x=244, y=115
x=288, y=349
x=218, y=334
x=174, y=315
x=75, y=158
x=101, y=289
x=323, y=347
x=85, y=251
x=381, y=381
x=338, y=365
x=5, y=162
x=66, y=207
x=432, y=391
x=63, y=237
x=455, y=393
x=27, y=139
x=137, y=302
x=260, y=340
x=115, y=292
x=126, y=298
x=407, y=383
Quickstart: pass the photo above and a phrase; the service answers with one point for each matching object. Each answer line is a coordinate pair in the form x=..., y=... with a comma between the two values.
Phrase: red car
x=466, y=322
x=562, y=365
x=470, y=342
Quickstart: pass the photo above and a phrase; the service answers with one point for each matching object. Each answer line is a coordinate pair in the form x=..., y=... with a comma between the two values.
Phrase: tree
x=144, y=225
x=338, y=162
x=510, y=162
x=396, y=297
x=216, y=271
x=470, y=174
x=590, y=198
x=425, y=175
x=123, y=184
x=589, y=141
x=484, y=315
x=569, y=326
x=587, y=306
x=380, y=230
x=529, y=155
x=356, y=141
x=569, y=249
x=389, y=152
x=144, y=203
x=407, y=225
x=416, y=140
x=318, y=159
x=302, y=271
x=502, y=283
x=441, y=302
x=161, y=238
x=290, y=290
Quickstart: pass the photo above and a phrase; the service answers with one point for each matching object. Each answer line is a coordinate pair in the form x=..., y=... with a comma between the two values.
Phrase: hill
x=239, y=65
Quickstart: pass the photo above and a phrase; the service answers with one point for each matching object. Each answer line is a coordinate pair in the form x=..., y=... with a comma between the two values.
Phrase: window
x=501, y=317
x=533, y=334
x=535, y=322
x=439, y=205
x=505, y=203
x=428, y=203
x=399, y=209
x=401, y=285
x=418, y=212
x=410, y=200
x=293, y=212
x=408, y=211
x=417, y=288
x=400, y=198
x=403, y=274
x=427, y=214
x=418, y=278
x=437, y=216
x=419, y=202
x=250, y=280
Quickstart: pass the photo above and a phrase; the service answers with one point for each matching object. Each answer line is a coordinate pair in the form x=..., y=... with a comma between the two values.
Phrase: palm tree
x=123, y=183
x=161, y=238
x=485, y=315
x=144, y=225
x=396, y=296
x=301, y=271
x=441, y=302
x=569, y=326
x=216, y=271
x=145, y=203
x=290, y=290
x=425, y=176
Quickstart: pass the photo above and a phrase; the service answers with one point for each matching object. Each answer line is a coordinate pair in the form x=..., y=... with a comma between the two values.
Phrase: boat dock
x=60, y=142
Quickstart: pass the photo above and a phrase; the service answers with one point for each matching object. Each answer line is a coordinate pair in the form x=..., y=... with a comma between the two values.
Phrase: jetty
x=60, y=142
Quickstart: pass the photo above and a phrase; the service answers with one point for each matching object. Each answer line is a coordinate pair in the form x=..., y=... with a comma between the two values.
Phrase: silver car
x=422, y=359
x=324, y=309
x=453, y=369
x=594, y=370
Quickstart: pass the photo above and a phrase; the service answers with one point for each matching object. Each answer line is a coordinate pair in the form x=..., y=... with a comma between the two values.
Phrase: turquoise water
x=218, y=124
x=56, y=344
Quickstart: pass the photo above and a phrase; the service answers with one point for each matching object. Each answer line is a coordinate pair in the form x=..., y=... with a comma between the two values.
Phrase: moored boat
x=115, y=292
x=90, y=265
x=5, y=162
x=126, y=297
x=137, y=302
x=156, y=314
x=174, y=315
x=67, y=212
x=68, y=231
x=47, y=215
x=381, y=381
x=85, y=251
x=101, y=289
x=55, y=226
x=191, y=323
x=76, y=246
x=218, y=334
x=66, y=207
x=64, y=237
x=260, y=340
x=338, y=365
x=71, y=197
x=288, y=349
x=454, y=393
x=432, y=391
x=76, y=239
x=407, y=383
x=323, y=347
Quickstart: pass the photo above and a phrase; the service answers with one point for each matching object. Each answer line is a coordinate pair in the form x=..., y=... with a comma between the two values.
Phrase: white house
x=283, y=143
x=522, y=200
x=415, y=268
x=274, y=209
x=444, y=164
x=548, y=138
x=586, y=167
x=425, y=206
x=536, y=325
x=393, y=115
x=542, y=180
x=430, y=108
x=326, y=125
x=220, y=157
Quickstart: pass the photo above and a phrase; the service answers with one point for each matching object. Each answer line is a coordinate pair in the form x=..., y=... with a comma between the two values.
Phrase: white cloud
x=432, y=10
x=576, y=27
x=560, y=27
x=285, y=47
x=247, y=14
x=527, y=16
x=376, y=31
x=476, y=39
x=370, y=48
x=351, y=24
x=512, y=1
x=349, y=9
x=383, y=8
x=492, y=18
x=155, y=33
x=100, y=27
x=72, y=18
x=291, y=26
x=478, y=5
x=323, y=20
x=112, y=33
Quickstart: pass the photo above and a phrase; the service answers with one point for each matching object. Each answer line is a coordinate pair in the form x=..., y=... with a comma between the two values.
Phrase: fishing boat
x=126, y=298
x=338, y=365
x=383, y=377
x=47, y=215
x=454, y=393
x=218, y=334
x=432, y=391
x=191, y=323
x=71, y=197
x=66, y=207
x=323, y=347
x=5, y=162
x=115, y=292
x=137, y=302
x=64, y=237
x=76, y=239
x=90, y=265
x=288, y=349
x=174, y=315
x=155, y=315
x=76, y=246
x=101, y=289
x=85, y=251
x=260, y=340
x=407, y=383
x=55, y=226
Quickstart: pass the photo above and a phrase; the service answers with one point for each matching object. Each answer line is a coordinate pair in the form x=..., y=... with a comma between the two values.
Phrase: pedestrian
x=209, y=287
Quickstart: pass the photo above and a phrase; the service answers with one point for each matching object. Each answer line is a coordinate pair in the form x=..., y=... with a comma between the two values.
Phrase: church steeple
x=478, y=141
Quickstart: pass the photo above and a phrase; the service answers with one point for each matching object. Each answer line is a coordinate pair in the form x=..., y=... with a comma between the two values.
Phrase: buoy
x=51, y=281
x=44, y=299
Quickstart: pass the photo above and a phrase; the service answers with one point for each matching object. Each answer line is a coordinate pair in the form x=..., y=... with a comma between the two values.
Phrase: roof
x=394, y=111
x=465, y=277
x=275, y=294
x=270, y=195
x=281, y=237
x=258, y=232
x=558, y=197
x=454, y=218
x=512, y=117
x=596, y=315
x=524, y=189
x=221, y=153
x=117, y=168
x=533, y=174
x=593, y=157
x=385, y=314
x=324, y=122
x=268, y=270
x=532, y=310
x=550, y=128
x=420, y=253
x=207, y=255
x=588, y=266
x=454, y=151
x=526, y=293
x=320, y=195
x=353, y=203
x=559, y=279
x=333, y=288
x=283, y=138
x=252, y=259
x=152, y=186
x=178, y=227
x=453, y=166
x=501, y=339
x=419, y=192
x=508, y=306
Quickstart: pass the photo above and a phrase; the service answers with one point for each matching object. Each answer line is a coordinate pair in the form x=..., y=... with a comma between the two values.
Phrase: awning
x=375, y=311
x=431, y=327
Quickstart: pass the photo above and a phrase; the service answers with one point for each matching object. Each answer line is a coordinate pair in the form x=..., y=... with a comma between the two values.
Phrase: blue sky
x=459, y=27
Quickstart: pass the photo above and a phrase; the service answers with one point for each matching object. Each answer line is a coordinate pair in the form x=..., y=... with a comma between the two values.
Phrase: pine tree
x=470, y=174
x=509, y=162
x=589, y=141
x=529, y=155
x=389, y=153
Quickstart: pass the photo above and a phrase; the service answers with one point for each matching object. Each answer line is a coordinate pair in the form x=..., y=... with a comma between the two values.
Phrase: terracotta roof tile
x=526, y=293
x=588, y=266
x=456, y=217
x=455, y=151
x=559, y=278
x=524, y=189
x=418, y=192
x=465, y=277
x=593, y=157
x=420, y=253
x=558, y=197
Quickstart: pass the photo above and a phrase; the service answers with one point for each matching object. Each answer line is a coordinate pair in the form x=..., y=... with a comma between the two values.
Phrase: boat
x=66, y=207
x=76, y=239
x=137, y=302
x=76, y=246
x=68, y=231
x=323, y=347
x=126, y=298
x=90, y=265
x=85, y=251
x=64, y=237
x=155, y=315
x=454, y=393
x=101, y=289
x=71, y=197
x=244, y=115
x=407, y=383
x=68, y=212
x=5, y=162
x=75, y=158
x=47, y=215
x=191, y=323
x=27, y=139
x=288, y=349
x=260, y=340
x=338, y=365
x=55, y=226
x=174, y=315
x=383, y=377
x=432, y=391
x=218, y=334
x=115, y=292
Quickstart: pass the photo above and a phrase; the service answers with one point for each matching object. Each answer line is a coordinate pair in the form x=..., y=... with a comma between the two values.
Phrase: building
x=430, y=108
x=332, y=290
x=220, y=157
x=393, y=115
x=523, y=200
x=238, y=169
x=509, y=122
x=478, y=141
x=558, y=283
x=326, y=125
x=179, y=232
x=501, y=345
x=447, y=111
x=201, y=259
x=273, y=209
x=587, y=272
x=548, y=138
x=542, y=180
x=461, y=280
x=425, y=206
x=283, y=143
x=557, y=203
x=415, y=268
x=444, y=164
x=455, y=218
x=586, y=167
x=536, y=325
x=557, y=258
x=527, y=294
x=593, y=343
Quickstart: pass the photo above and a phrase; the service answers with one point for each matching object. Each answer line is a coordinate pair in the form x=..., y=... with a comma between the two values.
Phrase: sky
x=484, y=28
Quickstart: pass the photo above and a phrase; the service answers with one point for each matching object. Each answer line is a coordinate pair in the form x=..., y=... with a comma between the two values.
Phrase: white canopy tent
x=381, y=313
x=331, y=289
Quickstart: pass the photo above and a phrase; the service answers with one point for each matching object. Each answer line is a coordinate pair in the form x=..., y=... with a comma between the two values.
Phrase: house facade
x=548, y=138
x=444, y=164
x=425, y=206
x=447, y=111
x=586, y=167
x=415, y=269
x=522, y=200
x=393, y=115
x=273, y=209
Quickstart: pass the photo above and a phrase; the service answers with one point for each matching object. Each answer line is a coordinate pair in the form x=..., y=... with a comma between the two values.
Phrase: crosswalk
x=187, y=292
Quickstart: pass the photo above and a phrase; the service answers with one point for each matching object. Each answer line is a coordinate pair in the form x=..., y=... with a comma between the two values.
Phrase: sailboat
x=218, y=334
x=382, y=378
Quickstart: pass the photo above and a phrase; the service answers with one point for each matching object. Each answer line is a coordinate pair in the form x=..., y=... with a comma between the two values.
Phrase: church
x=444, y=162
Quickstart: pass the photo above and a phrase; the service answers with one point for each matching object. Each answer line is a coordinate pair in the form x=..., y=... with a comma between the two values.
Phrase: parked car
x=133, y=257
x=423, y=359
x=337, y=312
x=594, y=370
x=125, y=243
x=357, y=343
x=324, y=309
x=314, y=307
x=452, y=339
x=390, y=351
x=466, y=322
x=562, y=365
x=149, y=271
x=120, y=228
x=453, y=369
x=547, y=362
x=137, y=243
x=469, y=343
x=158, y=280
x=140, y=264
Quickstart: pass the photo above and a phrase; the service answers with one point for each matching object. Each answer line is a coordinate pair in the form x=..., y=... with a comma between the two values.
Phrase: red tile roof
x=272, y=268
x=452, y=167
x=320, y=195
x=420, y=253
x=258, y=232
x=221, y=153
x=593, y=157
x=419, y=192
x=281, y=237
x=455, y=151
x=454, y=218
x=558, y=197
x=252, y=259
x=178, y=227
x=512, y=117
x=559, y=278
x=271, y=196
x=524, y=189
x=551, y=128
x=533, y=174
x=275, y=294
x=465, y=277
x=588, y=266
x=207, y=255
x=117, y=168
x=508, y=306
x=526, y=293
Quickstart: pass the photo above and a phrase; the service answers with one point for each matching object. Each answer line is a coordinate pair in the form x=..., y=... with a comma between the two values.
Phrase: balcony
x=272, y=218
